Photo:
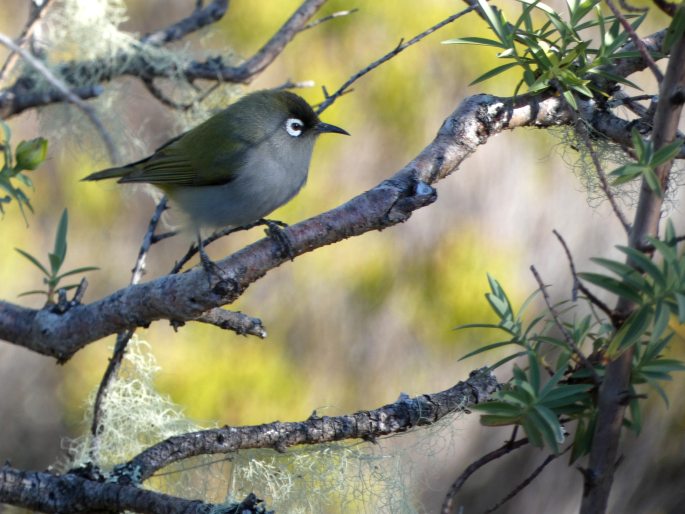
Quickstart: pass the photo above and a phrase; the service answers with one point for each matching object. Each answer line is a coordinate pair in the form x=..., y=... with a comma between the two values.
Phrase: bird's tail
x=109, y=173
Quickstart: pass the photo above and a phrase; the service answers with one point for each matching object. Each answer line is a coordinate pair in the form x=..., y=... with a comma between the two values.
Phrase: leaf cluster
x=558, y=53
x=27, y=156
x=52, y=276
x=558, y=386
x=647, y=160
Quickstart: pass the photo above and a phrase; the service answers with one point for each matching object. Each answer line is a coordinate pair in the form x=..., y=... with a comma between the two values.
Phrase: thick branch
x=187, y=296
x=48, y=492
x=394, y=418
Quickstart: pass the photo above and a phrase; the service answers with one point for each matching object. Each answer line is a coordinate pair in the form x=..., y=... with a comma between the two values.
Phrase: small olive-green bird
x=236, y=167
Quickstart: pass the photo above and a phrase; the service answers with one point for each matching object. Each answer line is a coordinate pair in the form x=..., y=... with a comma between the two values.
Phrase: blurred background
x=353, y=325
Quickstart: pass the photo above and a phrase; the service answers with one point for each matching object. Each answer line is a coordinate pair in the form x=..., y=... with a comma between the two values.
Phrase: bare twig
x=36, y=13
x=666, y=6
x=329, y=99
x=567, y=336
x=66, y=92
x=639, y=44
x=264, y=56
x=200, y=17
x=581, y=130
x=520, y=487
x=337, y=14
x=577, y=284
x=238, y=322
x=123, y=337
x=508, y=447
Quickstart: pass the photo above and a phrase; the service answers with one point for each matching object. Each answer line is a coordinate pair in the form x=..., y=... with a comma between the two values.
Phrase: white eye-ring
x=294, y=126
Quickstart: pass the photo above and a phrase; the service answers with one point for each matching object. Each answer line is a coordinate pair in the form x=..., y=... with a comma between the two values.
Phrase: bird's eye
x=294, y=126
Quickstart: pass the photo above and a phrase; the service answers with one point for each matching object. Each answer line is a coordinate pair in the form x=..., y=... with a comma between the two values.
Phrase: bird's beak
x=322, y=127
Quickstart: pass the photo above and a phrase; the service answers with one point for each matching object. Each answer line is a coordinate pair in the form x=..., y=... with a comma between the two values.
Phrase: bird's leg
x=208, y=264
x=274, y=229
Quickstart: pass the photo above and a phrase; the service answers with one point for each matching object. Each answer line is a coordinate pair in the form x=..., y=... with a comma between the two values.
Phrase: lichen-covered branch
x=49, y=492
x=18, y=97
x=394, y=418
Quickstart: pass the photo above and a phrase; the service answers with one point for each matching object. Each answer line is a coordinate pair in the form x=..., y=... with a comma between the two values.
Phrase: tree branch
x=187, y=296
x=49, y=492
x=394, y=418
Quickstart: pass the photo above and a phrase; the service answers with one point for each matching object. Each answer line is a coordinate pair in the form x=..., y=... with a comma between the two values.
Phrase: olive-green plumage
x=237, y=166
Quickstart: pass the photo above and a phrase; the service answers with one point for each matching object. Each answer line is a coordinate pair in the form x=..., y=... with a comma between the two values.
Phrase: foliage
x=647, y=161
x=53, y=277
x=543, y=406
x=555, y=54
x=27, y=156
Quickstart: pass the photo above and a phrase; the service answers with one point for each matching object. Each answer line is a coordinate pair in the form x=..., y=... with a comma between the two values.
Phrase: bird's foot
x=221, y=285
x=275, y=231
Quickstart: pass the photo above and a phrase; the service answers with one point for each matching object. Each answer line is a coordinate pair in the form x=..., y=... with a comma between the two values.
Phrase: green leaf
x=486, y=348
x=635, y=415
x=499, y=408
x=532, y=432
x=77, y=271
x=652, y=181
x=505, y=360
x=629, y=275
x=55, y=264
x=643, y=262
x=666, y=153
x=612, y=285
x=582, y=442
x=493, y=19
x=548, y=426
x=566, y=395
x=34, y=291
x=34, y=261
x=675, y=30
x=60, y=250
x=494, y=72
x=680, y=300
x=638, y=143
x=630, y=332
x=534, y=372
x=474, y=41
x=568, y=96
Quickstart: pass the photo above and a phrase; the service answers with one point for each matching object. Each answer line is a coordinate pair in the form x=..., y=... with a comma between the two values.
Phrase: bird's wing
x=202, y=156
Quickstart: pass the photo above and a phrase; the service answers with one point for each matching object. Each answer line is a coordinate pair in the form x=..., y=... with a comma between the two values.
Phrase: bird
x=236, y=167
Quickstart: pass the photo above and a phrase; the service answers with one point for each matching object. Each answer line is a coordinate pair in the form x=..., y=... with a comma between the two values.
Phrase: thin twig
x=447, y=504
x=667, y=7
x=581, y=130
x=68, y=94
x=123, y=337
x=199, y=18
x=577, y=284
x=148, y=240
x=289, y=84
x=37, y=11
x=567, y=336
x=331, y=16
x=240, y=323
x=526, y=482
x=329, y=99
x=639, y=44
